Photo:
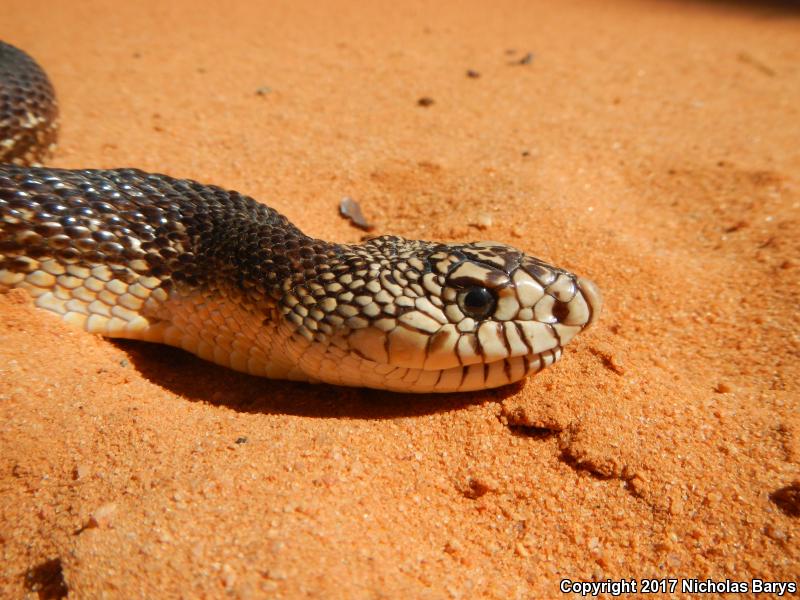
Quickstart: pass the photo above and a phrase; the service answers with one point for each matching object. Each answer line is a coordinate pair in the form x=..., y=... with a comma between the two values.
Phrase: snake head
x=426, y=317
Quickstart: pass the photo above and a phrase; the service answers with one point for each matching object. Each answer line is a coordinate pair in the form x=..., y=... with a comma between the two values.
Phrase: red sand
x=652, y=146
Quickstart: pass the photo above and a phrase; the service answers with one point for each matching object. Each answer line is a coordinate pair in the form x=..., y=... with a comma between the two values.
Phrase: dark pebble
x=526, y=60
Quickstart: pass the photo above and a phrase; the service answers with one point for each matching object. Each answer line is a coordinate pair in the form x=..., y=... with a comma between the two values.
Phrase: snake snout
x=593, y=297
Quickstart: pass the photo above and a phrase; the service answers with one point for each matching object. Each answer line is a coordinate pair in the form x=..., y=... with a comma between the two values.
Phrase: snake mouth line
x=477, y=376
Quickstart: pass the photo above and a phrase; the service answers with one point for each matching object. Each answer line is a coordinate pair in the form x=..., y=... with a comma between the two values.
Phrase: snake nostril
x=560, y=310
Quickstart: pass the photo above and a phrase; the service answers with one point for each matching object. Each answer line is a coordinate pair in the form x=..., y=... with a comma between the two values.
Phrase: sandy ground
x=652, y=146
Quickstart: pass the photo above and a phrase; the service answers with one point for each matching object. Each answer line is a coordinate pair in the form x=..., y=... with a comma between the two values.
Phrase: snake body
x=28, y=109
x=129, y=254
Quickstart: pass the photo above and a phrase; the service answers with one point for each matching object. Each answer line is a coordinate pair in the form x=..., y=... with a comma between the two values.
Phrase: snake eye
x=477, y=302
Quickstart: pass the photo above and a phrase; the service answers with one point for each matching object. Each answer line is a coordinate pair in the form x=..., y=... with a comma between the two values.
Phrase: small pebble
x=350, y=209
x=483, y=221
x=79, y=472
x=102, y=516
x=723, y=387
x=477, y=486
x=453, y=547
x=776, y=533
x=526, y=60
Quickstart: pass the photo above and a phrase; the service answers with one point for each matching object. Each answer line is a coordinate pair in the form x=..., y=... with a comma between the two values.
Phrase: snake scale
x=128, y=254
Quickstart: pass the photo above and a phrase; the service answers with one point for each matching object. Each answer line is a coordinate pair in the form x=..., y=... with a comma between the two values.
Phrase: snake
x=128, y=254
